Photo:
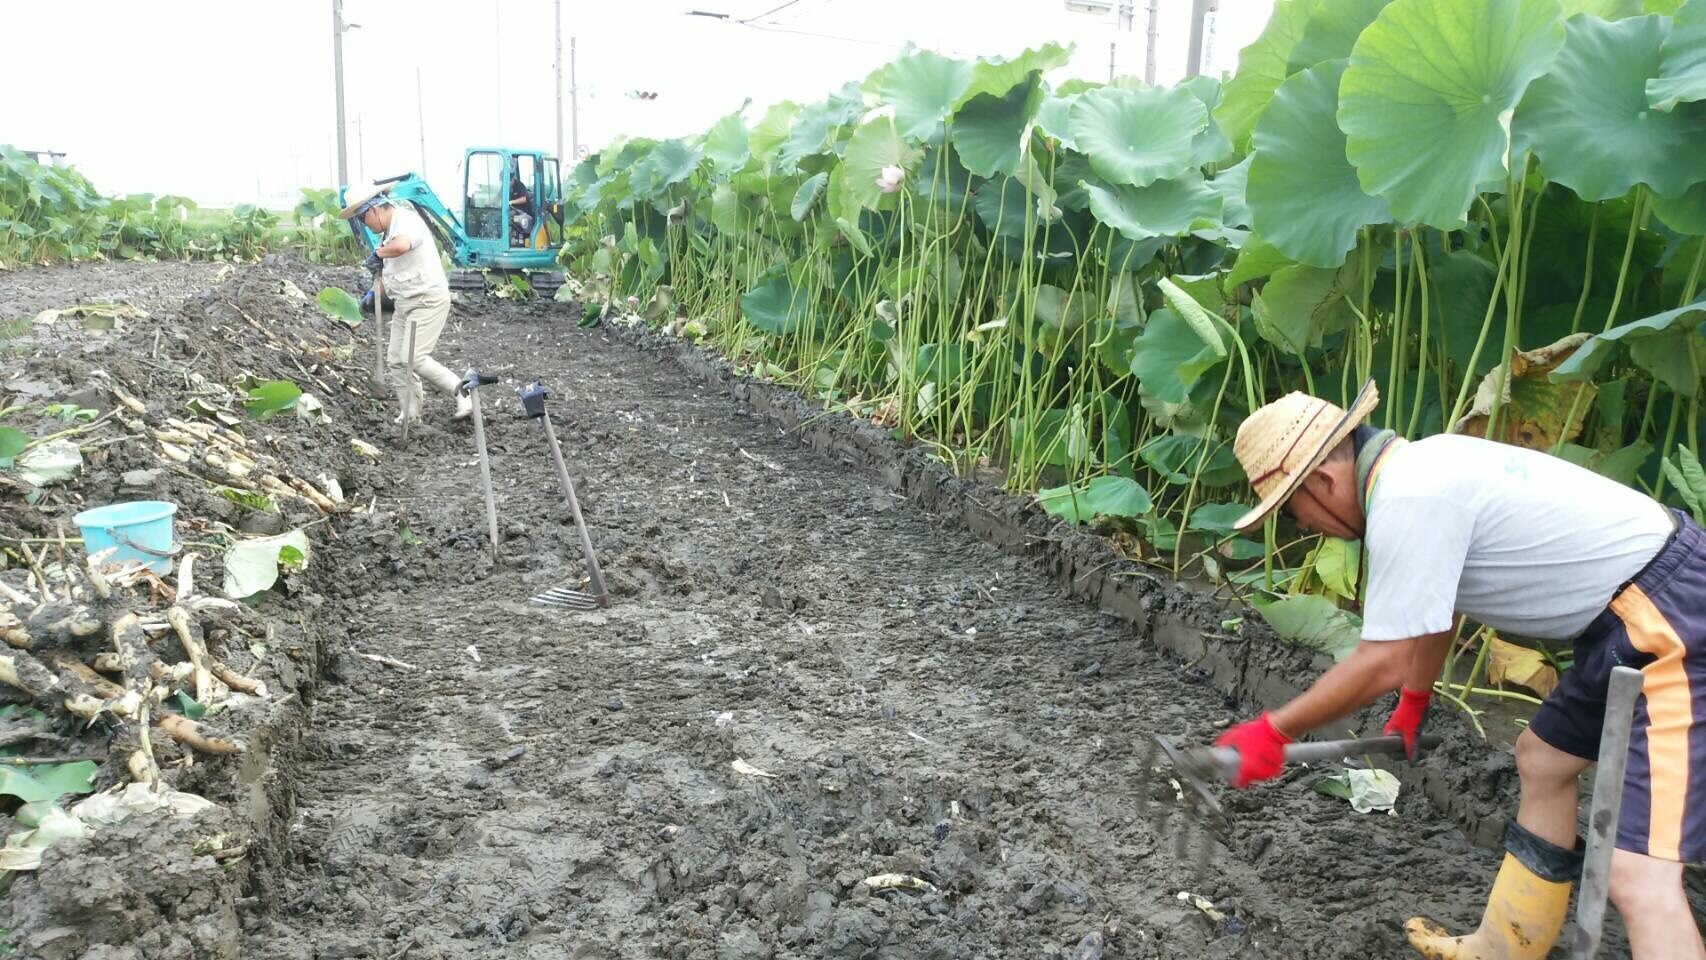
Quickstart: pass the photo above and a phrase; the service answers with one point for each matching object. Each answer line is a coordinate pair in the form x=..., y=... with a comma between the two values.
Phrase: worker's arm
x=1374, y=668
x=395, y=246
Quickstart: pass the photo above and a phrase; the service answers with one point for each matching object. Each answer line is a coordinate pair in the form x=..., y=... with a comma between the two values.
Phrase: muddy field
x=899, y=695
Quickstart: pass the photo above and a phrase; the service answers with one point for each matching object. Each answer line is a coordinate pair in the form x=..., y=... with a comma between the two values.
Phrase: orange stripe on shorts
x=1670, y=712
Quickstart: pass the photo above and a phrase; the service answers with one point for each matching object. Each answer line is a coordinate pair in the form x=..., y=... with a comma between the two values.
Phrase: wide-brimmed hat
x=364, y=198
x=1282, y=442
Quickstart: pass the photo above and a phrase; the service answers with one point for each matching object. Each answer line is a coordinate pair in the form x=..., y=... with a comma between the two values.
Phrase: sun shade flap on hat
x=1308, y=430
x=363, y=199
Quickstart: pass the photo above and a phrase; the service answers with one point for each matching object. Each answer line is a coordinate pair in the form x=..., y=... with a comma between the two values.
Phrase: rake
x=1194, y=768
x=533, y=398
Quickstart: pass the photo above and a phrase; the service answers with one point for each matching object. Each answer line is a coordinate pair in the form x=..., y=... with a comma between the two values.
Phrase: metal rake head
x=1199, y=811
x=568, y=597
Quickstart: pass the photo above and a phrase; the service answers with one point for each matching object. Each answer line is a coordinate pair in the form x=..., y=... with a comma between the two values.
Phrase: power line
x=776, y=9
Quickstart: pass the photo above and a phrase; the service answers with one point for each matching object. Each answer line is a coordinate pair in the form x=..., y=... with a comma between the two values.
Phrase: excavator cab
x=512, y=203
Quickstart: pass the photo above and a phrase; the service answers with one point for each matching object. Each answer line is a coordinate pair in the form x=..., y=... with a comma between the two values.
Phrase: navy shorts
x=1657, y=624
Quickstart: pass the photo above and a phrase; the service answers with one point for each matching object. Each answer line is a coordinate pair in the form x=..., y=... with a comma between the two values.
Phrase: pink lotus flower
x=890, y=179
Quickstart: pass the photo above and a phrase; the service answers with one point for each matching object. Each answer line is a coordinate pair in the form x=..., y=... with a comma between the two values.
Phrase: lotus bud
x=633, y=303
x=890, y=179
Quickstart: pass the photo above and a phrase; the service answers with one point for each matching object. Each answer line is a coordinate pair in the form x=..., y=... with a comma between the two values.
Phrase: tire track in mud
x=927, y=705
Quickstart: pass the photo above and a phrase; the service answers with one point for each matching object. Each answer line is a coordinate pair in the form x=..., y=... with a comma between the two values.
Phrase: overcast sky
x=229, y=102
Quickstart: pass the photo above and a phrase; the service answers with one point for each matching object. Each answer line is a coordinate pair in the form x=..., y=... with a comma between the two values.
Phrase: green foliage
x=1089, y=286
x=50, y=213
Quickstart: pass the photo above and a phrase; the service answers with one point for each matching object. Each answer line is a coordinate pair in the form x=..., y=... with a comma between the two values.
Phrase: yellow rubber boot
x=1525, y=910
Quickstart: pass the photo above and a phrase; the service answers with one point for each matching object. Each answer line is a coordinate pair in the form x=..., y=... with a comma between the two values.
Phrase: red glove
x=1406, y=720
x=1261, y=750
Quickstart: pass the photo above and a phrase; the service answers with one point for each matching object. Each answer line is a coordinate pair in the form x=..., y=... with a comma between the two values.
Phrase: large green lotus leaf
x=1588, y=121
x=1004, y=206
x=1054, y=118
x=1169, y=357
x=1300, y=305
x=989, y=131
x=875, y=145
x=725, y=208
x=1261, y=68
x=996, y=76
x=1673, y=359
x=769, y=132
x=1303, y=193
x=1164, y=209
x=1136, y=137
x=1425, y=104
x=1332, y=31
x=672, y=161
x=1210, y=144
x=1232, y=185
x=809, y=135
x=1175, y=456
x=1256, y=260
x=1071, y=170
x=1684, y=214
x=1106, y=496
x=943, y=180
x=1682, y=67
x=807, y=195
x=1665, y=327
x=1312, y=621
x=726, y=144
x=775, y=305
x=1604, y=9
x=923, y=88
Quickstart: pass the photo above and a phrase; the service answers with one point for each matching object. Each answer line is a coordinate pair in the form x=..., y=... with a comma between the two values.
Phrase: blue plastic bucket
x=140, y=529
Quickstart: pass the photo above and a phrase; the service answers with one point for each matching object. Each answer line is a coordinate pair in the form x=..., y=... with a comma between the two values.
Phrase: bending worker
x=414, y=277
x=1528, y=543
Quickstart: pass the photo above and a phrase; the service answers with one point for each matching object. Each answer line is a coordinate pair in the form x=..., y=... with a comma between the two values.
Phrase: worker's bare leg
x=1548, y=803
x=1648, y=893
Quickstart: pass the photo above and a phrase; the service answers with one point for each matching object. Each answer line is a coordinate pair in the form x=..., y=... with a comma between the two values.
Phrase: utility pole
x=1149, y=48
x=338, y=80
x=498, y=73
x=420, y=119
x=557, y=64
x=1125, y=28
x=360, y=150
x=1193, y=62
x=574, y=106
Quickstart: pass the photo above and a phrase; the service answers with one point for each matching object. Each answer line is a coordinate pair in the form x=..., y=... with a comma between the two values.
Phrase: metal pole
x=1607, y=805
x=338, y=82
x=557, y=66
x=575, y=508
x=1149, y=45
x=1111, y=47
x=381, y=334
x=485, y=471
x=420, y=119
x=1193, y=60
x=574, y=106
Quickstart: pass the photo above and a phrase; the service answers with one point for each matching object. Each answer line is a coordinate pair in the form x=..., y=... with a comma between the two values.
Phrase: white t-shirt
x=1519, y=540
x=418, y=272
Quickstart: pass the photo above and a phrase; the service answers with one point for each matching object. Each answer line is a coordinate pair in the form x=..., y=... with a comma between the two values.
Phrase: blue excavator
x=511, y=223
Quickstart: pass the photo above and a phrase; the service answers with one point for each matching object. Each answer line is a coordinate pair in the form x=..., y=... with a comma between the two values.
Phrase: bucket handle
x=123, y=540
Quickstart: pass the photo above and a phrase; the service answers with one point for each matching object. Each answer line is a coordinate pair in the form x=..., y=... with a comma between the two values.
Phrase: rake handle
x=1323, y=751
x=575, y=508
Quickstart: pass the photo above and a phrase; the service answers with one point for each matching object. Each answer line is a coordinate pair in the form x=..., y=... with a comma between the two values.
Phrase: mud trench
x=553, y=783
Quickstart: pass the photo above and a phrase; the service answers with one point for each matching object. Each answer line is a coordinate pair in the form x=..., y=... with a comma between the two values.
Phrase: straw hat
x=1282, y=442
x=362, y=197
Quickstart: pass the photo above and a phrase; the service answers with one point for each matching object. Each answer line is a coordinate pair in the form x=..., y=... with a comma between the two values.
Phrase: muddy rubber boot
x=1525, y=910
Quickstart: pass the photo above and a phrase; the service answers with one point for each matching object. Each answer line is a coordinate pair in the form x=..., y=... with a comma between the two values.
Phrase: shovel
x=1196, y=767
x=472, y=381
x=533, y=404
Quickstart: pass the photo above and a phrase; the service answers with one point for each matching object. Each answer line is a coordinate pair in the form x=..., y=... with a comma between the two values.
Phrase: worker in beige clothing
x=408, y=260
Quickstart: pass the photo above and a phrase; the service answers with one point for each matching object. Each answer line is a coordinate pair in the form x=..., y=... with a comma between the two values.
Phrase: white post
x=338, y=83
x=557, y=67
